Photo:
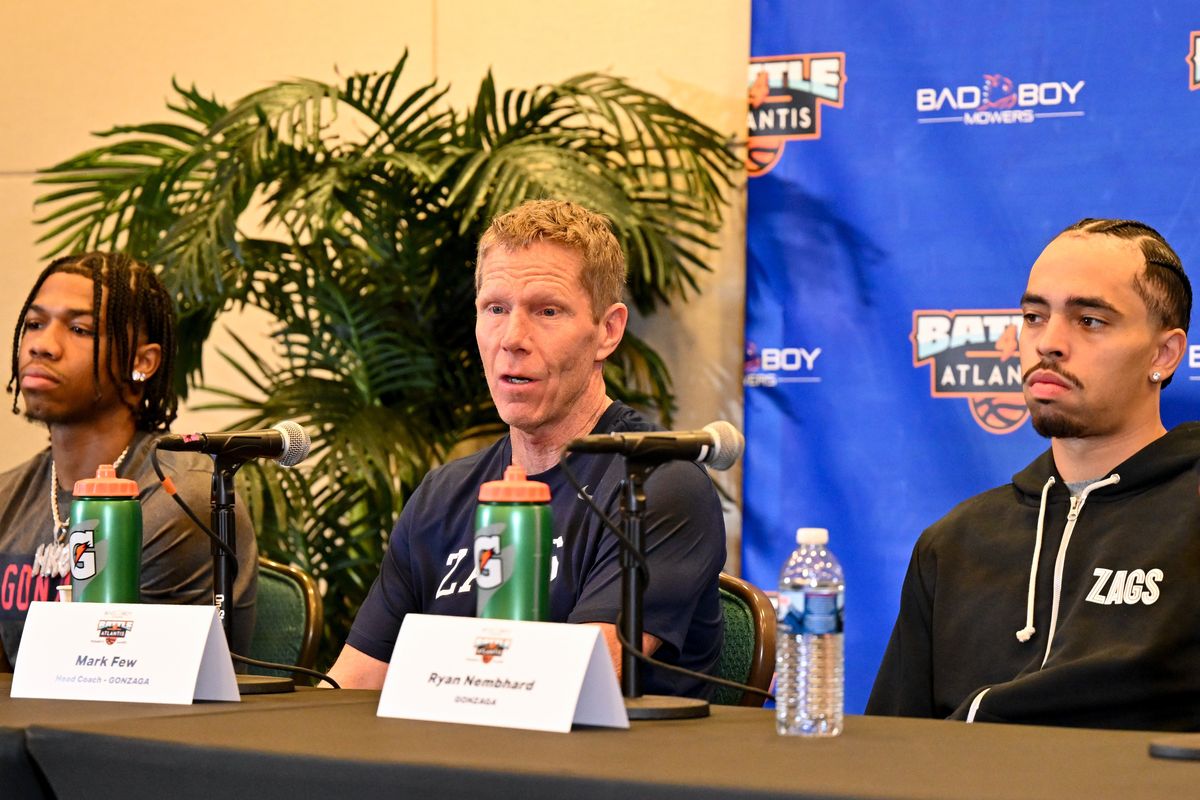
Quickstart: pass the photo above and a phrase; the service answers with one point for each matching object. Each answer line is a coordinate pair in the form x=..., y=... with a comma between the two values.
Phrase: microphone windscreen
x=728, y=444
x=295, y=443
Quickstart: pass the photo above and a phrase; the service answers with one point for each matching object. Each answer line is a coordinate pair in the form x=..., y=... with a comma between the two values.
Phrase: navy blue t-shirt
x=428, y=565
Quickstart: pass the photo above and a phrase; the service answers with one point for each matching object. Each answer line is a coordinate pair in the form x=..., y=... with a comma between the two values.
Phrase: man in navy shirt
x=549, y=280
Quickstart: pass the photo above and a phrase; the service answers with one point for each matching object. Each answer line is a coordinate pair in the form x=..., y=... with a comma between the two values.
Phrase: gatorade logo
x=488, y=564
x=82, y=545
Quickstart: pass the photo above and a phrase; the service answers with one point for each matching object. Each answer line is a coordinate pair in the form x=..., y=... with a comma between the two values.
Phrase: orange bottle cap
x=514, y=489
x=106, y=484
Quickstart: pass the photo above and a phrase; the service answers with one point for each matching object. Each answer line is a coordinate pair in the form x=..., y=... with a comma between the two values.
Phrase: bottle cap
x=812, y=536
x=514, y=489
x=105, y=484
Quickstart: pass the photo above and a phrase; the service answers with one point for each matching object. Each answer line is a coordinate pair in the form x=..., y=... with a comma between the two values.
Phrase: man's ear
x=147, y=359
x=612, y=328
x=1172, y=345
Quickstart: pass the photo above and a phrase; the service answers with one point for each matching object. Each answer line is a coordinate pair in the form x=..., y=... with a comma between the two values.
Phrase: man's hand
x=649, y=644
x=355, y=669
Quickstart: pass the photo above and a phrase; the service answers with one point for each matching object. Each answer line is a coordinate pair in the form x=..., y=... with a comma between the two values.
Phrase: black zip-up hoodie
x=1025, y=605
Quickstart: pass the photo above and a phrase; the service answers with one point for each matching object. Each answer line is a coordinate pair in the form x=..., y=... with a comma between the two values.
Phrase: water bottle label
x=815, y=611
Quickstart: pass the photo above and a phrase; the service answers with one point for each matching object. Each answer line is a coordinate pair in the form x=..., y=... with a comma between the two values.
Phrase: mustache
x=1050, y=366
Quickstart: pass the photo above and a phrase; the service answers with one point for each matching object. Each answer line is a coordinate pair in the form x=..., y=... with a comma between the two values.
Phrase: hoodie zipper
x=1060, y=561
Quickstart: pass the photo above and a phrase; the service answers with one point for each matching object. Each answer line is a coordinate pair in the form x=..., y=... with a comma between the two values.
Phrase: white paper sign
x=128, y=652
x=534, y=675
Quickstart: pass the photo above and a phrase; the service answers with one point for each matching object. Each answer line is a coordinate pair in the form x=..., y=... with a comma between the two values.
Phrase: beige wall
x=74, y=67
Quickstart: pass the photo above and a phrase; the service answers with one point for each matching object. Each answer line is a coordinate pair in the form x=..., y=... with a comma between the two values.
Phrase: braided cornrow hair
x=1162, y=285
x=138, y=305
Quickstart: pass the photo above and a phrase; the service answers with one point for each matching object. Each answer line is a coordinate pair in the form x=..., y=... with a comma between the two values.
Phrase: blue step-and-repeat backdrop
x=908, y=163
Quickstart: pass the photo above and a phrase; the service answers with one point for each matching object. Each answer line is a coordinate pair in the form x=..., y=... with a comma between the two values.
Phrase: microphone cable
x=169, y=486
x=312, y=673
x=644, y=570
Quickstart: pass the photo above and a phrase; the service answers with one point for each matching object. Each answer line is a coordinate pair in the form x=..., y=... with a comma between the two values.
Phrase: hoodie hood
x=1164, y=458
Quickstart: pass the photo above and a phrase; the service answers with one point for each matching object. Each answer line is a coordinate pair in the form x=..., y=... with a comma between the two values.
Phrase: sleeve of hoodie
x=904, y=684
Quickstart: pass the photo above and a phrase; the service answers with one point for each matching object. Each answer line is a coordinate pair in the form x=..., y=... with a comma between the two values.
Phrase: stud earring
x=1155, y=376
x=140, y=377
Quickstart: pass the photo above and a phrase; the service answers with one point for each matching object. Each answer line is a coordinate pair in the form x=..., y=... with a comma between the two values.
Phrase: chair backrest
x=289, y=617
x=749, y=652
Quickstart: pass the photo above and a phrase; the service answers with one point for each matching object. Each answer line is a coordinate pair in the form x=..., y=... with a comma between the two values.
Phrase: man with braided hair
x=93, y=360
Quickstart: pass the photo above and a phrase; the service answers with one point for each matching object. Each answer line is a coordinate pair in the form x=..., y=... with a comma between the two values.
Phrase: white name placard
x=534, y=675
x=128, y=652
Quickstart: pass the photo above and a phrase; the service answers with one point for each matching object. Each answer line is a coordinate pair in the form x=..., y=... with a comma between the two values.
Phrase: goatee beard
x=1055, y=425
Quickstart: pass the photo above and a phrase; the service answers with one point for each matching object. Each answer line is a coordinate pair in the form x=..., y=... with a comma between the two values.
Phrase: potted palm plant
x=349, y=213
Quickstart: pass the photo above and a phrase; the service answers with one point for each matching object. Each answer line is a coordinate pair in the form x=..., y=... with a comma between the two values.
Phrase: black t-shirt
x=428, y=566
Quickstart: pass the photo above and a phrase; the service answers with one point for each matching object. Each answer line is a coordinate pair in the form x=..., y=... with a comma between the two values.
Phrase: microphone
x=287, y=443
x=717, y=445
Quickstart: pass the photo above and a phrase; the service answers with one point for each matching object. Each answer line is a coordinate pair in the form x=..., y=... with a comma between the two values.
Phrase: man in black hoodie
x=1072, y=596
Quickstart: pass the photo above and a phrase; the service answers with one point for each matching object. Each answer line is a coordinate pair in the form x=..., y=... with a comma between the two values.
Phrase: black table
x=19, y=778
x=337, y=747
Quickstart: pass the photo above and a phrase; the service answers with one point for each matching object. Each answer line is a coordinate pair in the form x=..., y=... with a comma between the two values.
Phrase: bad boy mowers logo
x=973, y=355
x=998, y=99
x=785, y=98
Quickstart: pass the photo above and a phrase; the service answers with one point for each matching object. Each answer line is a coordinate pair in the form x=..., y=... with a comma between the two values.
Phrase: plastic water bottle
x=808, y=655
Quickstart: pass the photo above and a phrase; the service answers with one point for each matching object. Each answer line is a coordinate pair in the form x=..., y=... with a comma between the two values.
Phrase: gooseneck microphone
x=717, y=445
x=287, y=443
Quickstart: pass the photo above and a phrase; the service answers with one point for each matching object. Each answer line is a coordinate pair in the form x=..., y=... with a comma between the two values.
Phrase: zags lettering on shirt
x=451, y=561
x=1127, y=587
x=458, y=557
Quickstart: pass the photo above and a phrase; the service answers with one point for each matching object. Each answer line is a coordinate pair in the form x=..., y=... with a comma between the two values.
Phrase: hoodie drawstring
x=1025, y=633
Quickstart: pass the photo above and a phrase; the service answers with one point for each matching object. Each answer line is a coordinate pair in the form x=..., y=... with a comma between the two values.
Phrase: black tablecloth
x=20, y=778
x=343, y=750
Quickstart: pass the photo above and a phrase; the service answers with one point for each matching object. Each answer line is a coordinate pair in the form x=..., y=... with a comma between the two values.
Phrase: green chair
x=288, y=619
x=749, y=653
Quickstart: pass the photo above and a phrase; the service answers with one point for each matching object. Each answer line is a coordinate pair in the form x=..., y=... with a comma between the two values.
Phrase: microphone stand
x=637, y=705
x=224, y=525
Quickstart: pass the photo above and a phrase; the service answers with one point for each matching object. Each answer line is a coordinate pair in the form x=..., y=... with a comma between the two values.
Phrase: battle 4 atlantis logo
x=785, y=97
x=488, y=649
x=112, y=630
x=973, y=355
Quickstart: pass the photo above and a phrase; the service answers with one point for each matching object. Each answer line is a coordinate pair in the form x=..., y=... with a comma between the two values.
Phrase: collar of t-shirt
x=605, y=424
x=1076, y=487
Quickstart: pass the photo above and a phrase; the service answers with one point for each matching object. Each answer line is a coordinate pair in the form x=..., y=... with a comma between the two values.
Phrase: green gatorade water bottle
x=105, y=541
x=513, y=533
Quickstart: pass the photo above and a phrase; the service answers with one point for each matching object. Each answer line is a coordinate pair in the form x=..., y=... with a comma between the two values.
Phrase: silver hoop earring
x=140, y=377
x=1155, y=377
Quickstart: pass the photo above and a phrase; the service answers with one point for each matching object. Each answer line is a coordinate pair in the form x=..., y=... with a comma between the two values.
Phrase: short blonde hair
x=569, y=225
